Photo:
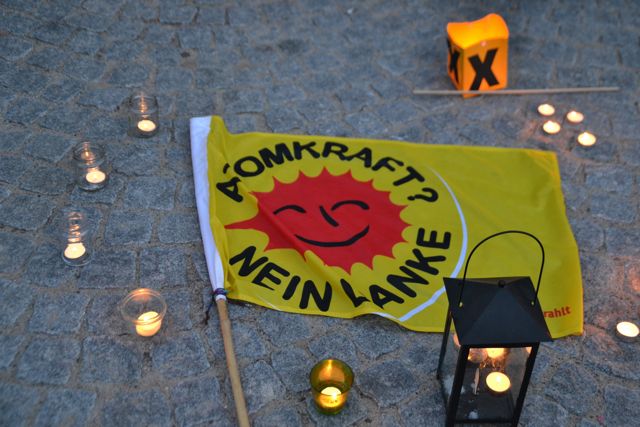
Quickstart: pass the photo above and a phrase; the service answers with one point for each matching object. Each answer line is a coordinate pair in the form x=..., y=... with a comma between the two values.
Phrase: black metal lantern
x=486, y=364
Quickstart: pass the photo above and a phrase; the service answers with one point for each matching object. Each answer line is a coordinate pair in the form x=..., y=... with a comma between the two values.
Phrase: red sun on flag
x=340, y=219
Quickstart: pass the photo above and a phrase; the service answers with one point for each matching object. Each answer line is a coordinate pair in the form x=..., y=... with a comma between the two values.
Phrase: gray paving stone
x=589, y=235
x=6, y=96
x=16, y=404
x=12, y=168
x=249, y=344
x=14, y=48
x=160, y=267
x=28, y=80
x=84, y=68
x=52, y=32
x=180, y=356
x=283, y=417
x=108, y=99
x=66, y=120
x=15, y=302
x=107, y=195
x=173, y=79
x=147, y=407
x=335, y=346
x=62, y=90
x=16, y=23
x=48, y=58
x=376, y=336
x=66, y=408
x=187, y=194
x=198, y=401
x=179, y=228
x=104, y=127
x=127, y=227
x=617, y=397
x=292, y=365
x=25, y=212
x=614, y=207
x=135, y=160
x=572, y=387
x=367, y=124
x=25, y=110
x=115, y=269
x=195, y=38
x=540, y=411
x=295, y=327
x=380, y=383
x=87, y=21
x=426, y=410
x=243, y=101
x=284, y=120
x=623, y=241
x=178, y=317
x=150, y=193
x=86, y=42
x=613, y=179
x=55, y=10
x=110, y=360
x=211, y=15
x=103, y=315
x=9, y=346
x=48, y=360
x=46, y=180
x=56, y=315
x=261, y=385
x=175, y=14
x=14, y=251
x=125, y=30
x=179, y=160
x=159, y=35
x=130, y=75
x=50, y=146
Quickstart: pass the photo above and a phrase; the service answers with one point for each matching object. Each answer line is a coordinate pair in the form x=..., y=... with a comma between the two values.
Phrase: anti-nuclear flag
x=344, y=227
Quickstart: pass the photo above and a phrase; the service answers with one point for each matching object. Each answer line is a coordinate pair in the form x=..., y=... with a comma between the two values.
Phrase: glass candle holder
x=143, y=115
x=91, y=166
x=76, y=251
x=331, y=380
x=144, y=309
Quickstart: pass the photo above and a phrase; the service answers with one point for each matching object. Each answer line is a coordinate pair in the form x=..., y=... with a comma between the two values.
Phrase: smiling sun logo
x=340, y=219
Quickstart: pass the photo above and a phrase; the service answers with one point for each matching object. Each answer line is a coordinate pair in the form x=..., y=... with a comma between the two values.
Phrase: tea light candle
x=495, y=353
x=586, y=139
x=498, y=383
x=627, y=331
x=331, y=398
x=551, y=127
x=546, y=110
x=331, y=380
x=148, y=324
x=95, y=176
x=575, y=116
x=146, y=125
x=74, y=250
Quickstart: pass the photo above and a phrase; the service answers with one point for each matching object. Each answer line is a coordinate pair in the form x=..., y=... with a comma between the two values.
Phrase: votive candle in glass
x=91, y=166
x=77, y=250
x=144, y=309
x=331, y=380
x=143, y=115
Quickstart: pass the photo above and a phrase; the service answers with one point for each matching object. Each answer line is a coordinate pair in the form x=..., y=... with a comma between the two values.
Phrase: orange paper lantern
x=478, y=53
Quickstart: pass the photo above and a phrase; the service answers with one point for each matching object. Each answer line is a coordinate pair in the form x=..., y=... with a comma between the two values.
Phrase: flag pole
x=232, y=363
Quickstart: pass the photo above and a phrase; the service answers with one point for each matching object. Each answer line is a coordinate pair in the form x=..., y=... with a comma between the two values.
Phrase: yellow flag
x=344, y=227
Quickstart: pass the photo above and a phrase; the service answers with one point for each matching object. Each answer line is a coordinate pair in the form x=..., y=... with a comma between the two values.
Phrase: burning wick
x=498, y=382
x=149, y=326
x=627, y=331
x=551, y=127
x=146, y=125
x=575, y=116
x=587, y=139
x=74, y=250
x=546, y=109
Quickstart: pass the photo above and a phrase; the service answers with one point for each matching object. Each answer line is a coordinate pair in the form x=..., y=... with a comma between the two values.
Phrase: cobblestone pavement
x=319, y=67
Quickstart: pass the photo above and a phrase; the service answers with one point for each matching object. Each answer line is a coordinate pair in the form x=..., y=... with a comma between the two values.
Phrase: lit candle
x=146, y=125
x=627, y=331
x=150, y=324
x=330, y=398
x=546, y=109
x=95, y=176
x=495, y=353
x=74, y=250
x=575, y=116
x=551, y=127
x=498, y=383
x=586, y=139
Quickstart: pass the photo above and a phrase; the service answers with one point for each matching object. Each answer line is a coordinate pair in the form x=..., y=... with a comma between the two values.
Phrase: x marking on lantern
x=453, y=60
x=483, y=69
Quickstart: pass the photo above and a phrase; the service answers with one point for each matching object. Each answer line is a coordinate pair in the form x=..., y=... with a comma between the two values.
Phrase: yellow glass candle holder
x=331, y=380
x=144, y=310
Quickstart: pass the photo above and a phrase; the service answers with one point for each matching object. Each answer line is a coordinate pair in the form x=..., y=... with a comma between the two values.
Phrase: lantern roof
x=496, y=311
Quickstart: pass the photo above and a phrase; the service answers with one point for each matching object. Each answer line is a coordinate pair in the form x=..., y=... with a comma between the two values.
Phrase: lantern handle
x=464, y=277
